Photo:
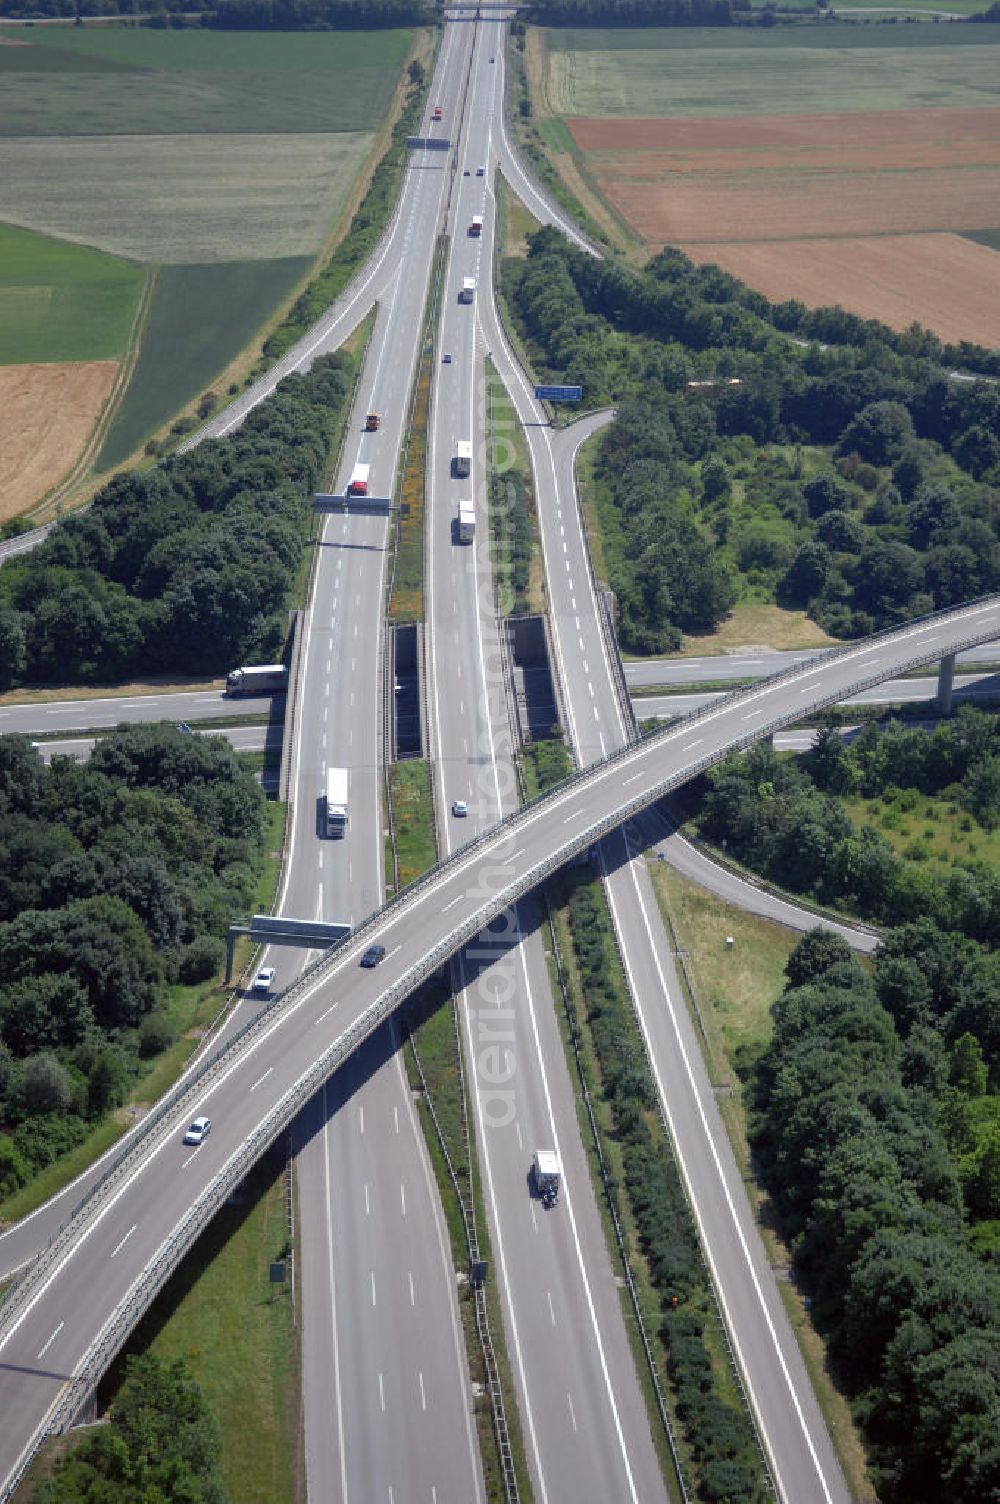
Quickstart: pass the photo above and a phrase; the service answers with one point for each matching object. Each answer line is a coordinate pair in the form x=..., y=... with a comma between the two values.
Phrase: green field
x=989, y=238
x=201, y=317
x=122, y=81
x=63, y=302
x=205, y=198
x=783, y=70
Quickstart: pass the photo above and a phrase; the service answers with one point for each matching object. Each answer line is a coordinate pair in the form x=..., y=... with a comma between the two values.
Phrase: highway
x=968, y=689
x=583, y=1417
x=748, y=663
x=388, y=1414
x=114, y=1252
x=792, y=1430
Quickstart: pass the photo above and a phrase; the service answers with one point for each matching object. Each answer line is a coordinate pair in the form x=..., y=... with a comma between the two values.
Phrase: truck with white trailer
x=358, y=483
x=466, y=520
x=546, y=1176
x=476, y=227
x=468, y=292
x=336, y=802
x=461, y=464
x=260, y=679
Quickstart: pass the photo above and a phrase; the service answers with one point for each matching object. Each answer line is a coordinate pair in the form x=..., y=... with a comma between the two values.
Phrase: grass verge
x=406, y=595
x=413, y=819
x=518, y=568
x=734, y=989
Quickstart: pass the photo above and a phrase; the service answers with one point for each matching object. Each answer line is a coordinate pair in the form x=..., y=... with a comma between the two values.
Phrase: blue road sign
x=559, y=393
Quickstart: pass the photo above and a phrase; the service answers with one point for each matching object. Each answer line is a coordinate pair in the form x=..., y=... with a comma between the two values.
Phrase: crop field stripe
x=62, y=302
x=201, y=316
x=656, y=39
x=215, y=51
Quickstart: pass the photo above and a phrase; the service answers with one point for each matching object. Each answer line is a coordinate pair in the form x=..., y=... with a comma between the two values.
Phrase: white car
x=480, y=172
x=264, y=980
x=460, y=809
x=199, y=1131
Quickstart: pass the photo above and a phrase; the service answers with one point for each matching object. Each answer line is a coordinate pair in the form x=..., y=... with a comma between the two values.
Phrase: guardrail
x=171, y=1114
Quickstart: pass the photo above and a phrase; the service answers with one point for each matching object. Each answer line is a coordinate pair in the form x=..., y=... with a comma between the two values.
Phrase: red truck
x=438, y=113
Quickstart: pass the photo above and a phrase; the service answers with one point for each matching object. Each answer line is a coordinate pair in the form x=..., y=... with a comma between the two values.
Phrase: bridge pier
x=946, y=684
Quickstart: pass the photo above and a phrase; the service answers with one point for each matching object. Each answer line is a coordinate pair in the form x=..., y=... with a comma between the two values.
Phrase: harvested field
x=800, y=205
x=867, y=129
x=48, y=414
x=191, y=199
x=948, y=284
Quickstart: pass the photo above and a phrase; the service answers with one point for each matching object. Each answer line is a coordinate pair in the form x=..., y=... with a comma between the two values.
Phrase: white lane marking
x=260, y=1079
x=423, y=1393
x=373, y=1286
x=688, y=745
x=395, y=1117
x=412, y=1297
x=577, y=815
x=520, y=1140
x=752, y=715
x=119, y=1246
x=50, y=1341
x=186, y=1162
x=572, y=1412
x=452, y=904
x=368, y=1205
x=324, y=1014
x=634, y=779
x=402, y=1199
x=381, y=1393
x=552, y=1309
x=708, y=1139
x=361, y=1118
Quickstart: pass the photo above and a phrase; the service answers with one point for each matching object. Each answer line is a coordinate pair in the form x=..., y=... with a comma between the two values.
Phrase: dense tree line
x=718, y=1434
x=784, y=818
x=118, y=879
x=631, y=12
x=239, y=15
x=184, y=568
x=161, y=1446
x=878, y=1137
x=898, y=516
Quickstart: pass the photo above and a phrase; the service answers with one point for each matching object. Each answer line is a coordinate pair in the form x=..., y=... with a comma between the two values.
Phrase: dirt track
x=47, y=413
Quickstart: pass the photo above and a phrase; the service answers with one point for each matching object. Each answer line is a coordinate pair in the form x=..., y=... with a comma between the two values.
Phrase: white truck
x=358, y=483
x=461, y=464
x=468, y=292
x=476, y=227
x=336, y=802
x=466, y=521
x=263, y=679
x=546, y=1175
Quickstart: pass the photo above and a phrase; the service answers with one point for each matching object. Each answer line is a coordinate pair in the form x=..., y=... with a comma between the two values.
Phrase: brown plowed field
x=864, y=128
x=794, y=205
x=946, y=283
x=47, y=414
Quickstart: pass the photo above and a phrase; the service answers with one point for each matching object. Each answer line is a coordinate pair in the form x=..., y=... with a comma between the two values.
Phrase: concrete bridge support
x=946, y=682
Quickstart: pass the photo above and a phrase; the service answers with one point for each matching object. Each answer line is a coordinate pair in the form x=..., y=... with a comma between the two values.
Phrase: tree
x=715, y=478
x=13, y=648
x=879, y=433
x=827, y=493
x=814, y=954
x=45, y=1086
x=807, y=574
x=43, y=1012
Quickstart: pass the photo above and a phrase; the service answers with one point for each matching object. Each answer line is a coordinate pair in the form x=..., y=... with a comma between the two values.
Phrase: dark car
x=373, y=955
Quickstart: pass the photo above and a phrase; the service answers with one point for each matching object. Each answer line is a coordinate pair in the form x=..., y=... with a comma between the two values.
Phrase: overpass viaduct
x=61, y=1325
